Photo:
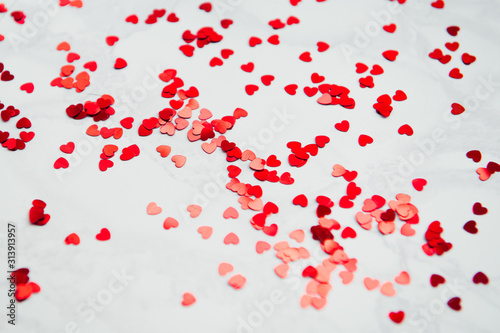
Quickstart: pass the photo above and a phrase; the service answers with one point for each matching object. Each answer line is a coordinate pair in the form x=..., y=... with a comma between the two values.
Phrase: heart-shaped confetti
x=480, y=277
x=104, y=235
x=437, y=280
x=478, y=209
x=454, y=303
x=170, y=222
x=397, y=317
x=188, y=299
x=153, y=209
x=225, y=268
x=471, y=227
x=237, y=281
x=262, y=246
x=205, y=232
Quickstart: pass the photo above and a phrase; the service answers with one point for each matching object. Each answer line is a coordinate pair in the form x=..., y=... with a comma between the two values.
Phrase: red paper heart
x=248, y=67
x=267, y=79
x=475, y=155
x=419, y=184
x=254, y=41
x=390, y=28
x=206, y=6
x=306, y=57
x=120, y=63
x=6, y=76
x=397, y=317
x=348, y=232
x=405, y=129
x=322, y=46
x=61, y=162
x=250, y=89
x=437, y=280
x=300, y=200
x=132, y=19
x=468, y=59
x=480, y=277
x=68, y=148
x=457, y=109
x=361, y=68
x=439, y=4
x=478, y=209
x=452, y=46
x=454, y=303
x=291, y=89
x=453, y=30
x=28, y=87
x=343, y=126
x=455, y=73
x=226, y=23
x=470, y=227
x=363, y=140
x=390, y=55
x=215, y=61
x=111, y=40
x=104, y=235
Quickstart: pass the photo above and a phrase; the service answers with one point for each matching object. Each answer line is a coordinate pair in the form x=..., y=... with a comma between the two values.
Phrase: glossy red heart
x=453, y=30
x=343, y=126
x=28, y=87
x=478, y=209
x=470, y=227
x=364, y=140
x=405, y=130
x=468, y=59
x=291, y=89
x=306, y=57
x=132, y=19
x=454, y=303
x=390, y=55
x=120, y=63
x=457, y=109
x=248, y=67
x=254, y=41
x=397, y=317
x=480, y=277
x=104, y=235
x=455, y=73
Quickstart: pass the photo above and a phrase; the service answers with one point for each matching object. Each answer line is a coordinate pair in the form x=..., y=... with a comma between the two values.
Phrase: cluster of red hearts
x=471, y=226
x=383, y=105
x=438, y=54
x=72, y=3
x=333, y=94
x=81, y=80
x=401, y=208
x=14, y=144
x=484, y=173
x=258, y=221
x=24, y=288
x=204, y=36
x=202, y=129
x=18, y=15
x=109, y=151
x=367, y=82
x=435, y=244
x=300, y=155
x=37, y=214
x=99, y=110
x=153, y=17
x=455, y=302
